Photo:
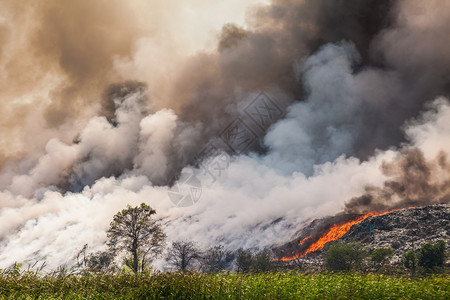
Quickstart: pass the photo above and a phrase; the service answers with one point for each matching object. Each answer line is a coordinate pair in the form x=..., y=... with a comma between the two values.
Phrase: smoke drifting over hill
x=104, y=104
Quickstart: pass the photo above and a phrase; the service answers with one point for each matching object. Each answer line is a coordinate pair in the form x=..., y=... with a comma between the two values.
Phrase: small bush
x=344, y=257
x=381, y=256
x=432, y=256
x=101, y=261
x=410, y=261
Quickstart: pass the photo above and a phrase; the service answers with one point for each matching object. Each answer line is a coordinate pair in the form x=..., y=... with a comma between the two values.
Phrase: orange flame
x=334, y=233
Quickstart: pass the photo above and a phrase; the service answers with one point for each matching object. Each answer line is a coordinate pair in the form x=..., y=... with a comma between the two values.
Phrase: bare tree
x=134, y=231
x=215, y=259
x=182, y=255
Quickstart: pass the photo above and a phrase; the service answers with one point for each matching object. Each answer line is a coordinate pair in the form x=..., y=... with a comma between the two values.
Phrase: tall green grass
x=223, y=286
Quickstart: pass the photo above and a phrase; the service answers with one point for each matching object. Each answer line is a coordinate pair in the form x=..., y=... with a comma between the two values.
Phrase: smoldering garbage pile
x=401, y=230
x=404, y=230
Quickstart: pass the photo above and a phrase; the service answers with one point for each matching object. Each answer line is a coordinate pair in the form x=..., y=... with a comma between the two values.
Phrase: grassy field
x=224, y=286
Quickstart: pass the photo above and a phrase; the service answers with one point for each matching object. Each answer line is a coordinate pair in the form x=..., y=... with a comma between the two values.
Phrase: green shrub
x=410, y=261
x=432, y=256
x=381, y=256
x=344, y=257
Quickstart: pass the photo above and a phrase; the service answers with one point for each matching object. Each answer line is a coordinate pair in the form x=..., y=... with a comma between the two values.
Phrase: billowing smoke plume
x=417, y=176
x=101, y=120
x=58, y=57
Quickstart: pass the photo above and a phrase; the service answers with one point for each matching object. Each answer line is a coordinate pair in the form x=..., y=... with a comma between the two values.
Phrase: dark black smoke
x=116, y=93
x=392, y=87
x=262, y=57
x=213, y=87
x=412, y=183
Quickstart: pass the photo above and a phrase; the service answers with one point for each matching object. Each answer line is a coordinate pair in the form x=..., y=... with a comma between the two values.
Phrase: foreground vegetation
x=185, y=285
x=124, y=271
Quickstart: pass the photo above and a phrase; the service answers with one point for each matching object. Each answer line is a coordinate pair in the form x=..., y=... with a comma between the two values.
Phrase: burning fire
x=334, y=233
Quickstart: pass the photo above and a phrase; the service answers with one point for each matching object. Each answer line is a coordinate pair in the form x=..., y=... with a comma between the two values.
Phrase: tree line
x=429, y=258
x=135, y=238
